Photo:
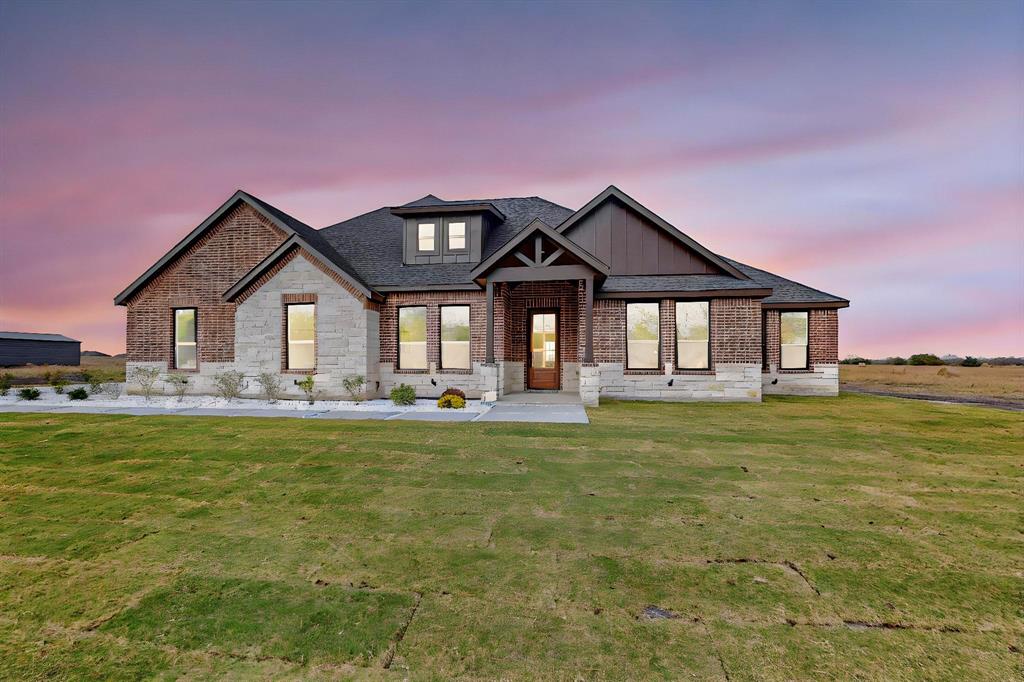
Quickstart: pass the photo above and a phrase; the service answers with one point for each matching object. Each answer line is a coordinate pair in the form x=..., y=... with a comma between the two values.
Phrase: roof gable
x=636, y=241
x=287, y=224
x=533, y=238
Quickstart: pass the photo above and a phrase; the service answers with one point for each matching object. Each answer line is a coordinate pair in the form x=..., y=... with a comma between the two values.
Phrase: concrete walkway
x=501, y=412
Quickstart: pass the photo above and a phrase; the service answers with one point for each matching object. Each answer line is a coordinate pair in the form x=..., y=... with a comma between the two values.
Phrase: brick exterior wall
x=433, y=300
x=822, y=338
x=735, y=331
x=198, y=278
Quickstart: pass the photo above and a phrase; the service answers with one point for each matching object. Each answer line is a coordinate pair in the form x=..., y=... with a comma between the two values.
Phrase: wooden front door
x=543, y=369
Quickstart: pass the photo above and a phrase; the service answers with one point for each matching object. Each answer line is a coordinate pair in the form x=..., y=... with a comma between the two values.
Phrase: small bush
x=6, y=379
x=971, y=362
x=925, y=359
x=56, y=379
x=95, y=379
x=270, y=386
x=179, y=384
x=29, y=393
x=308, y=386
x=403, y=394
x=229, y=384
x=354, y=385
x=78, y=393
x=451, y=390
x=146, y=378
x=451, y=401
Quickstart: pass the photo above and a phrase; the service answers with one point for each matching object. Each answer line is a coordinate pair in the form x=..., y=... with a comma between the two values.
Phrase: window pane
x=794, y=357
x=185, y=355
x=642, y=328
x=794, y=328
x=185, y=325
x=425, y=236
x=301, y=322
x=300, y=355
x=412, y=338
x=455, y=337
x=456, y=235
x=692, y=320
x=693, y=354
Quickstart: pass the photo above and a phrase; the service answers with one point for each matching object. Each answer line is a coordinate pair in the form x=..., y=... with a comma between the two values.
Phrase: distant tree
x=970, y=362
x=897, y=360
x=854, y=360
x=925, y=359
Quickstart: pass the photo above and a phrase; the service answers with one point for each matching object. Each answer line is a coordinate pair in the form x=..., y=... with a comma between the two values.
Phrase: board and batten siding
x=632, y=245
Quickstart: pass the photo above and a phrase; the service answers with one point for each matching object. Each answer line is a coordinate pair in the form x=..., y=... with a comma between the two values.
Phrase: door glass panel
x=543, y=341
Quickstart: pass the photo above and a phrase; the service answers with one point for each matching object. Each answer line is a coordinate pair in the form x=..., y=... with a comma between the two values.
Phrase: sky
x=871, y=150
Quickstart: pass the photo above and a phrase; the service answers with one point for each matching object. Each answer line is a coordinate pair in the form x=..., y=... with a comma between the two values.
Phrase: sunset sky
x=875, y=151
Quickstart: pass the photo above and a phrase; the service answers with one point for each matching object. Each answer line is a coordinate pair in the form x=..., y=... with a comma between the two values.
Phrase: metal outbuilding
x=20, y=348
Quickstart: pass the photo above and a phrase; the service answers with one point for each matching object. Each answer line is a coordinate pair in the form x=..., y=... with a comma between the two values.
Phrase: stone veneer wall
x=346, y=336
x=822, y=378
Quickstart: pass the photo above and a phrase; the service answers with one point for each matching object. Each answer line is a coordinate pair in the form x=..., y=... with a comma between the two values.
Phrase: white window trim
x=299, y=342
x=194, y=343
x=420, y=237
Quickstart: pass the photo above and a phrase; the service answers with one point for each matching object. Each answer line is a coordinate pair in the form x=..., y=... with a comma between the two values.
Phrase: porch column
x=588, y=320
x=490, y=321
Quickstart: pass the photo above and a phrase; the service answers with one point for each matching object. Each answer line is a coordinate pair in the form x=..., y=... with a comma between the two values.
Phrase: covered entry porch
x=540, y=303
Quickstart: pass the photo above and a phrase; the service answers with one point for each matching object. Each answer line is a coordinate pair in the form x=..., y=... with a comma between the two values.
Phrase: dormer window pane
x=456, y=236
x=425, y=237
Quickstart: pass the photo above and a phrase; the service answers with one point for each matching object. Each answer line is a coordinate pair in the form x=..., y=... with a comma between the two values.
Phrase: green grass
x=161, y=547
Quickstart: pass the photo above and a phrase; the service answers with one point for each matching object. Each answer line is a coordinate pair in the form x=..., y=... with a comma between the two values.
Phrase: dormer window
x=425, y=237
x=456, y=236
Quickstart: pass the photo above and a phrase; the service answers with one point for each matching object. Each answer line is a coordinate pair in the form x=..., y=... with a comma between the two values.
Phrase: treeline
x=932, y=359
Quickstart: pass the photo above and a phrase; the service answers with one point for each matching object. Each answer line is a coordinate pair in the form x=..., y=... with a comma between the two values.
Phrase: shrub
x=270, y=386
x=971, y=362
x=925, y=359
x=179, y=383
x=111, y=389
x=56, y=379
x=451, y=390
x=899, y=361
x=229, y=384
x=146, y=378
x=6, y=379
x=854, y=360
x=354, y=385
x=450, y=400
x=78, y=393
x=28, y=393
x=95, y=379
x=403, y=394
x=308, y=386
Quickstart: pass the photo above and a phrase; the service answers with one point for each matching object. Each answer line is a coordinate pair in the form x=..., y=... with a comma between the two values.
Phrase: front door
x=543, y=368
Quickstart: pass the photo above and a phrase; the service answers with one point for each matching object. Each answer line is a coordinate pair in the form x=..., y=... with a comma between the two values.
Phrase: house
x=22, y=348
x=494, y=296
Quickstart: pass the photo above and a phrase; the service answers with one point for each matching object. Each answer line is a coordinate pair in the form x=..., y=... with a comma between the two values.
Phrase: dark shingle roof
x=785, y=290
x=640, y=283
x=372, y=242
x=27, y=336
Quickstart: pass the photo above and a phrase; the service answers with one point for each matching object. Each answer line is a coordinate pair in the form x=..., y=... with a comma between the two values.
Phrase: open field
x=857, y=537
x=1006, y=383
x=35, y=374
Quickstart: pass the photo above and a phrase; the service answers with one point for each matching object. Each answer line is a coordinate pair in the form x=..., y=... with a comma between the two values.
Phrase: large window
x=412, y=338
x=642, y=335
x=693, y=327
x=185, y=338
x=455, y=337
x=425, y=237
x=456, y=236
x=301, y=336
x=793, y=335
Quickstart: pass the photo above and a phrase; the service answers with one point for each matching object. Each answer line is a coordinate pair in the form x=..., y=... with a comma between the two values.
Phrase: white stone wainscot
x=474, y=383
x=730, y=382
x=821, y=380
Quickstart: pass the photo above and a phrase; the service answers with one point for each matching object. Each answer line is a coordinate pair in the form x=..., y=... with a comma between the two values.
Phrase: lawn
x=858, y=537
